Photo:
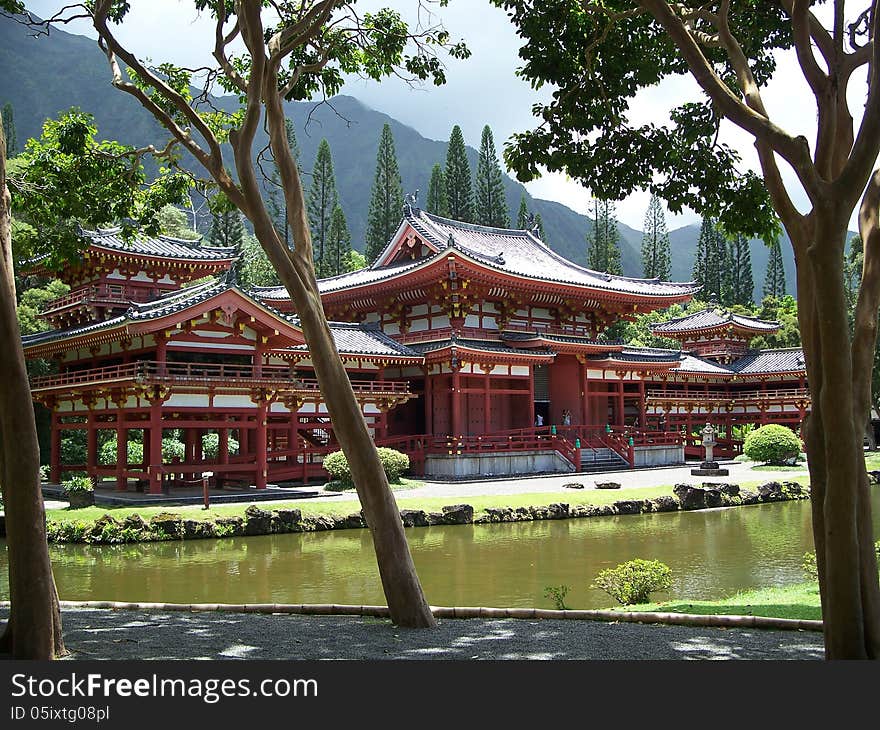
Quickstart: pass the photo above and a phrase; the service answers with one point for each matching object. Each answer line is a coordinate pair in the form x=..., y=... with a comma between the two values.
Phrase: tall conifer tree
x=322, y=200
x=522, y=216
x=338, y=243
x=386, y=202
x=656, y=258
x=436, y=202
x=774, y=281
x=603, y=241
x=9, y=130
x=459, y=195
x=490, y=204
x=709, y=262
x=739, y=265
x=226, y=226
x=539, y=228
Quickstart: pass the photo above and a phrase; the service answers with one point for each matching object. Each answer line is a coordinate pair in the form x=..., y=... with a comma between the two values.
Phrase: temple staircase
x=602, y=459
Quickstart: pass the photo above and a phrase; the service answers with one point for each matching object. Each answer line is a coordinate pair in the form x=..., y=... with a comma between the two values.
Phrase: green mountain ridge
x=47, y=75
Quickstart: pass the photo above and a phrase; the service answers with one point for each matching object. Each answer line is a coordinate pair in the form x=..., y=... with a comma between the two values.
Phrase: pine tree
x=774, y=281
x=603, y=242
x=322, y=200
x=539, y=229
x=437, y=203
x=710, y=261
x=741, y=283
x=490, y=205
x=276, y=203
x=522, y=216
x=656, y=258
x=338, y=243
x=227, y=229
x=9, y=130
x=458, y=179
x=386, y=202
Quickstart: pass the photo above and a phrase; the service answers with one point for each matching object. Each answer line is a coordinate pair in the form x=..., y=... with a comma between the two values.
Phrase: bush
x=811, y=570
x=772, y=444
x=77, y=484
x=211, y=445
x=557, y=594
x=634, y=581
x=394, y=462
x=172, y=449
x=107, y=452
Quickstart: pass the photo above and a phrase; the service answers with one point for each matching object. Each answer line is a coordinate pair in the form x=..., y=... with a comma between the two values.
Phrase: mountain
x=46, y=75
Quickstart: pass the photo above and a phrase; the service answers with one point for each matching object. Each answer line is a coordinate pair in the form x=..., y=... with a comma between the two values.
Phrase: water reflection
x=712, y=554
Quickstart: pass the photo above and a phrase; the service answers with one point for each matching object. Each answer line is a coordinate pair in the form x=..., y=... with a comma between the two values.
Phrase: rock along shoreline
x=107, y=530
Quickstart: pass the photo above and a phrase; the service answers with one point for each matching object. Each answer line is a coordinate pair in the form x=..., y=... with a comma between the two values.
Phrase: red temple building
x=476, y=350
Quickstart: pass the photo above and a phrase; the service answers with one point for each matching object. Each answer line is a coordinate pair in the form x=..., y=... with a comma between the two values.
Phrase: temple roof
x=483, y=345
x=693, y=364
x=355, y=339
x=160, y=246
x=789, y=360
x=351, y=339
x=640, y=354
x=709, y=319
x=516, y=252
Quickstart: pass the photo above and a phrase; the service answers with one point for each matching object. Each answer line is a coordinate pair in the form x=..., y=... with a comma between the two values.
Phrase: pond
x=712, y=553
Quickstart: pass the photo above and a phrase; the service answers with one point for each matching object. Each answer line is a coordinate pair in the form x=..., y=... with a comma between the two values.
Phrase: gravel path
x=104, y=634
x=739, y=472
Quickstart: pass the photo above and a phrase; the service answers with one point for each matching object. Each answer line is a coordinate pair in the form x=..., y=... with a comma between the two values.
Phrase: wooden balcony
x=101, y=295
x=734, y=399
x=217, y=377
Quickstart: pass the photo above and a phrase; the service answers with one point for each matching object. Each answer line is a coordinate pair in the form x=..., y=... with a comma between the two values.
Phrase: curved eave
x=444, y=353
x=181, y=260
x=722, y=329
x=297, y=354
x=77, y=341
x=563, y=346
x=611, y=363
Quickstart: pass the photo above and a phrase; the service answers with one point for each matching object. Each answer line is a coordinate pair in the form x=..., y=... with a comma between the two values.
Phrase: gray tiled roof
x=512, y=251
x=51, y=335
x=692, y=364
x=355, y=339
x=485, y=345
x=564, y=339
x=161, y=246
x=520, y=252
x=770, y=361
x=640, y=354
x=710, y=318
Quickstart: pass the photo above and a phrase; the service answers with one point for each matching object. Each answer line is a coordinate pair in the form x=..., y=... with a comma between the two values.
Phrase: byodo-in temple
x=477, y=351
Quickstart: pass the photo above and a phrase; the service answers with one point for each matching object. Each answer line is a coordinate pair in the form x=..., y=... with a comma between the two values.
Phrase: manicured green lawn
x=342, y=506
x=799, y=601
x=769, y=467
x=872, y=461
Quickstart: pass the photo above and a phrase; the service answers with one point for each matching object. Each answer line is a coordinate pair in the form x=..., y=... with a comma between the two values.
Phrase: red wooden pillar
x=155, y=447
x=223, y=446
x=487, y=406
x=260, y=445
x=243, y=441
x=531, y=395
x=55, y=450
x=91, y=444
x=619, y=421
x=161, y=351
x=189, y=440
x=643, y=409
x=121, y=453
x=585, y=395
x=429, y=404
x=456, y=404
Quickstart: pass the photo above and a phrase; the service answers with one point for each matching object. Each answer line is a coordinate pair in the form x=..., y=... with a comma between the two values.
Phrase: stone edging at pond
x=107, y=530
x=466, y=612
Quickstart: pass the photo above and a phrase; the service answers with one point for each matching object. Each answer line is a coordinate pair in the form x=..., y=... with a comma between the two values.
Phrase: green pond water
x=712, y=554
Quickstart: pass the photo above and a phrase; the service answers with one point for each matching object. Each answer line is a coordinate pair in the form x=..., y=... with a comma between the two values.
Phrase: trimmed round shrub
x=634, y=581
x=772, y=444
x=393, y=462
x=77, y=484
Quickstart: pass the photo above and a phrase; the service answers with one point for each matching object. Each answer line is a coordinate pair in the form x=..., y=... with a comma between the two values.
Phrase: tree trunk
x=34, y=627
x=841, y=505
x=403, y=591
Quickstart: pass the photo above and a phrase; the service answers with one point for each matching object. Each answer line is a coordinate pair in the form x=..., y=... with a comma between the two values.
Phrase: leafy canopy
x=599, y=55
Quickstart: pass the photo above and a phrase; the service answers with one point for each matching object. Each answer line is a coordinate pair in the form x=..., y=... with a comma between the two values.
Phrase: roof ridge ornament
x=411, y=202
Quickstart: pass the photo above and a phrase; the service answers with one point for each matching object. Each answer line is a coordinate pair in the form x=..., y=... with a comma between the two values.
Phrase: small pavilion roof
x=757, y=362
x=160, y=246
x=710, y=319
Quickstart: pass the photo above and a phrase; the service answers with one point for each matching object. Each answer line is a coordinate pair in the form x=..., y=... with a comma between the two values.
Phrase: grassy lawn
x=342, y=506
x=872, y=461
x=799, y=601
x=770, y=467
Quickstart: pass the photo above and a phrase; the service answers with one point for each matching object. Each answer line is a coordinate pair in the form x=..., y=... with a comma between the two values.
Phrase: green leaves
x=599, y=55
x=67, y=180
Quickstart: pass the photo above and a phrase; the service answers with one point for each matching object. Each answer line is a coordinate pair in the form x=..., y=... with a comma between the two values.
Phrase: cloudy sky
x=482, y=90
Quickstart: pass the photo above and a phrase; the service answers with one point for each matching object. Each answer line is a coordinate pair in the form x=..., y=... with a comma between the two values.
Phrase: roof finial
x=411, y=201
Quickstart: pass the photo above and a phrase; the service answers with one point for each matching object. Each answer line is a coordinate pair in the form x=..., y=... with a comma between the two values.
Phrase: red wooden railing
x=107, y=294
x=723, y=396
x=198, y=373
